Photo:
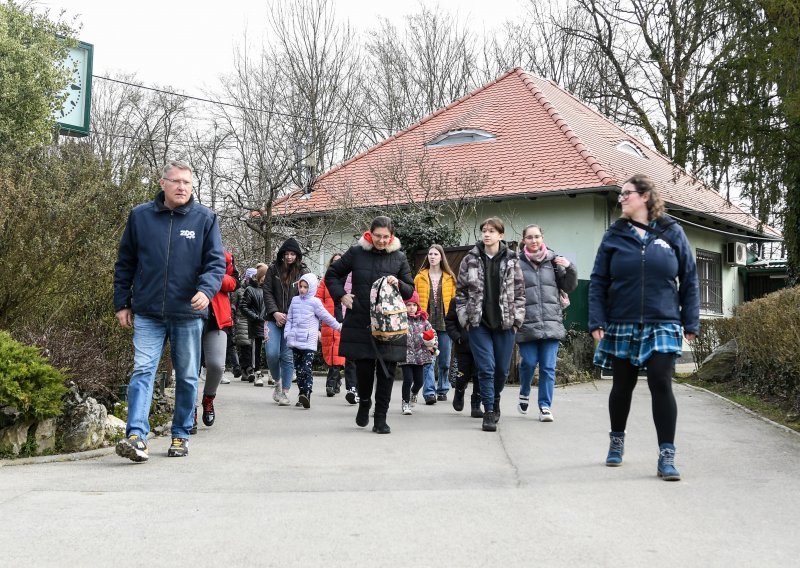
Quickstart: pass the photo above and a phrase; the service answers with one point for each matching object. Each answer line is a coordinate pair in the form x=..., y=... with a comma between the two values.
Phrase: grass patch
x=760, y=406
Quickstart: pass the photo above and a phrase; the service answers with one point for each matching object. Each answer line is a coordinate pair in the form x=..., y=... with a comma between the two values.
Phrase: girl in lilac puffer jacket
x=302, y=332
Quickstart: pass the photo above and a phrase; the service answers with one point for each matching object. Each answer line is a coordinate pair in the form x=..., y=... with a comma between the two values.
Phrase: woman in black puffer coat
x=252, y=304
x=377, y=254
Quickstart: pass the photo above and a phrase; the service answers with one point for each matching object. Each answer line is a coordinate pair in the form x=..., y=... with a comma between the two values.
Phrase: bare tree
x=320, y=66
x=414, y=71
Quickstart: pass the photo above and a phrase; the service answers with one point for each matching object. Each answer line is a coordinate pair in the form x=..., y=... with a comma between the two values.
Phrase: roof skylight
x=464, y=136
x=629, y=147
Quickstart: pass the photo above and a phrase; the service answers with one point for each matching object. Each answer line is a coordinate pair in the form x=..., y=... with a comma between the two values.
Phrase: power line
x=242, y=107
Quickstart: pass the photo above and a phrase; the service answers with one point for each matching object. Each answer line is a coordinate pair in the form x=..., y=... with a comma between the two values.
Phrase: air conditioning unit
x=736, y=254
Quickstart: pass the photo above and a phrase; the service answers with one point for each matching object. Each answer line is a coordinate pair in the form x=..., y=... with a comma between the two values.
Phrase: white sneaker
x=545, y=415
x=225, y=380
x=413, y=401
x=522, y=405
x=276, y=395
x=284, y=400
x=407, y=409
x=259, y=382
x=270, y=380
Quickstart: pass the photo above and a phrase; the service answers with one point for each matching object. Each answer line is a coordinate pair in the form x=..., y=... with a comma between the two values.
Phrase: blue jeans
x=149, y=337
x=543, y=353
x=430, y=387
x=279, y=356
x=491, y=350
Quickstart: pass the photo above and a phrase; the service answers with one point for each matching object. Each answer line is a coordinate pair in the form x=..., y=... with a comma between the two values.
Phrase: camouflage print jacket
x=470, y=283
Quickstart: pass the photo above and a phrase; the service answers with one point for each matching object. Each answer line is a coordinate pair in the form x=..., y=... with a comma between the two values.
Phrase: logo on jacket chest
x=187, y=233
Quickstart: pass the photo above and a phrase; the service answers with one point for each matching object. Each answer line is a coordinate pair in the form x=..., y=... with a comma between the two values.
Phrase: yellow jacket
x=422, y=283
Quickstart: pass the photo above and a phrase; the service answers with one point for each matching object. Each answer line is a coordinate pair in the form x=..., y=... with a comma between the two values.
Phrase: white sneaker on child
x=407, y=408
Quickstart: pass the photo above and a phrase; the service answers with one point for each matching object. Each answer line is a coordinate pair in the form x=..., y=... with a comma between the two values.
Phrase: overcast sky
x=189, y=44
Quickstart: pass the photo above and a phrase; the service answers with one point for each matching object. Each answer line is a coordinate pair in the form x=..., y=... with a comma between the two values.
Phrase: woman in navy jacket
x=642, y=291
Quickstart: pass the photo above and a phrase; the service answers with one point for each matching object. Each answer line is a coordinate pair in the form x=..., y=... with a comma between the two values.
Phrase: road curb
x=76, y=456
x=747, y=410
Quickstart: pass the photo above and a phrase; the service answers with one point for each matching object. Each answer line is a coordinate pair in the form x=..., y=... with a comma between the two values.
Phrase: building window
x=464, y=136
x=709, y=272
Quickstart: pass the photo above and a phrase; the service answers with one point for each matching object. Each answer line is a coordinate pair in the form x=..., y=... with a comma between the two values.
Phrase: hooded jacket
x=416, y=352
x=367, y=264
x=221, y=303
x=330, y=337
x=165, y=257
x=277, y=295
x=302, y=320
x=543, y=316
x=252, y=305
x=470, y=289
x=653, y=282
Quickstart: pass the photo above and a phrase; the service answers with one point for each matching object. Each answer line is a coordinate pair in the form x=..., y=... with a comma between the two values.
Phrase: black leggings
x=412, y=380
x=660, y=367
x=365, y=374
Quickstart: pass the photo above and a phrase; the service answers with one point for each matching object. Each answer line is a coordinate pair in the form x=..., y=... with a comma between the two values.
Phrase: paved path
x=270, y=486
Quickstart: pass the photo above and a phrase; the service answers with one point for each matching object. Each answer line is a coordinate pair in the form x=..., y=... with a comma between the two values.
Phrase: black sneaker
x=305, y=400
x=351, y=397
x=179, y=448
x=237, y=372
x=133, y=448
x=441, y=397
x=430, y=399
x=193, y=429
x=208, y=410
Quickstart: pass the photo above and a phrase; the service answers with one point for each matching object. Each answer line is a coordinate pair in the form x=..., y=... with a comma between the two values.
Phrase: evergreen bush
x=767, y=332
x=28, y=382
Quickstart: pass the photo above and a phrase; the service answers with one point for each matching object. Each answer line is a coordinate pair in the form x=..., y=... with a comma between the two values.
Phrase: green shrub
x=713, y=333
x=28, y=382
x=767, y=332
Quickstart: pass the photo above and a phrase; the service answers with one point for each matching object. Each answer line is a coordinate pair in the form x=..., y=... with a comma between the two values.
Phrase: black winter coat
x=367, y=265
x=252, y=304
x=458, y=335
x=278, y=296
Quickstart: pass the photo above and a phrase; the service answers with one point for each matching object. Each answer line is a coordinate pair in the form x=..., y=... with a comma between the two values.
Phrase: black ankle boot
x=380, y=426
x=458, y=400
x=489, y=423
x=475, y=401
x=497, y=409
x=362, y=416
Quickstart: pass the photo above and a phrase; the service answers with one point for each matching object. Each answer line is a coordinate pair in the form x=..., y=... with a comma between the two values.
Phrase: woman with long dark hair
x=643, y=292
x=376, y=255
x=279, y=289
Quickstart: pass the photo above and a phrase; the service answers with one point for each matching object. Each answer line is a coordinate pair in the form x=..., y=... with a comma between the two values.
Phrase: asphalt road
x=284, y=486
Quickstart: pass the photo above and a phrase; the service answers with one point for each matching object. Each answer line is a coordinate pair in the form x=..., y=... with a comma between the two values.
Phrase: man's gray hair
x=180, y=164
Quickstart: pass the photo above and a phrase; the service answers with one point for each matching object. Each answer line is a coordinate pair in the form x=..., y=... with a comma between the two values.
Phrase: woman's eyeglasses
x=626, y=194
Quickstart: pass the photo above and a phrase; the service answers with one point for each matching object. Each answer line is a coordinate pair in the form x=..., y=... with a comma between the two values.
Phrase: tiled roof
x=545, y=141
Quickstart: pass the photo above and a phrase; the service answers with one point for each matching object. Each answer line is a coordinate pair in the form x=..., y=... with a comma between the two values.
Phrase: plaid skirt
x=637, y=342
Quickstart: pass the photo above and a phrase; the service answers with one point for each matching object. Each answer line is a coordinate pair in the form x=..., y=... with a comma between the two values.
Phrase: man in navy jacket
x=170, y=265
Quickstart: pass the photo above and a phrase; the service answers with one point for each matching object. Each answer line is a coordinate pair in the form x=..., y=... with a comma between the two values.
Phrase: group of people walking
x=643, y=295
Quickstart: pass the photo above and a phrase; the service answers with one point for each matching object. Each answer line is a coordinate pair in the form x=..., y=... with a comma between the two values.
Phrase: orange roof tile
x=545, y=141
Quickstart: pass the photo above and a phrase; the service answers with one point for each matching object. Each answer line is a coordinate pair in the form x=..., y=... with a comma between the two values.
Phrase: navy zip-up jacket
x=166, y=257
x=636, y=283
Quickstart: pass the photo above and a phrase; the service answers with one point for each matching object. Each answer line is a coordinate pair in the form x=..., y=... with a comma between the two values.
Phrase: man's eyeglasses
x=626, y=194
x=179, y=182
